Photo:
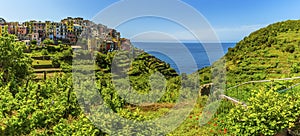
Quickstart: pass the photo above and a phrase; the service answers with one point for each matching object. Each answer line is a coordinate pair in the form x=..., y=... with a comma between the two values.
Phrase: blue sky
x=230, y=19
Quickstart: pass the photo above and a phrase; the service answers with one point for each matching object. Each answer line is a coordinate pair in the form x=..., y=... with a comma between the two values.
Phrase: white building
x=61, y=31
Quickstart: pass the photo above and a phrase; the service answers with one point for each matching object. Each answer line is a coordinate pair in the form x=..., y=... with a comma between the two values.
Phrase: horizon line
x=184, y=41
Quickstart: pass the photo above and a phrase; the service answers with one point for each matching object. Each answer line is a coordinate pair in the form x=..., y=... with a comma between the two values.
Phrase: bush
x=295, y=68
x=67, y=54
x=53, y=48
x=44, y=52
x=48, y=42
x=267, y=113
x=55, y=62
x=33, y=42
x=290, y=48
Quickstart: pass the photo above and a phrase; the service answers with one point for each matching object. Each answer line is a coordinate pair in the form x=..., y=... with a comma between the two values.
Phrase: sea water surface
x=186, y=57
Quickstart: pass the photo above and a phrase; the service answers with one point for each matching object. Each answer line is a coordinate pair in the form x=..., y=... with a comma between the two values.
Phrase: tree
x=48, y=42
x=14, y=63
x=33, y=42
x=55, y=61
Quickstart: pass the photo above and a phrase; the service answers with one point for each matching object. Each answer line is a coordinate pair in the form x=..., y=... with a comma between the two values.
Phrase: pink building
x=22, y=30
x=22, y=33
x=13, y=27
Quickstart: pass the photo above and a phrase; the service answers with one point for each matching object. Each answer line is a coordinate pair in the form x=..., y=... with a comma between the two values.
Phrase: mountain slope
x=269, y=53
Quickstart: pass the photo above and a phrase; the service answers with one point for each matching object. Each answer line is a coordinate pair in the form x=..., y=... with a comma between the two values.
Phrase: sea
x=186, y=57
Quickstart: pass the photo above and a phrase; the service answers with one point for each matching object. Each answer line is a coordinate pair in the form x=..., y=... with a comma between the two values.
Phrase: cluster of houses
x=68, y=31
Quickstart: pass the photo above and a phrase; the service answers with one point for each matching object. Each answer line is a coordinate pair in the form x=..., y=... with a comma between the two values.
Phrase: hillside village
x=69, y=31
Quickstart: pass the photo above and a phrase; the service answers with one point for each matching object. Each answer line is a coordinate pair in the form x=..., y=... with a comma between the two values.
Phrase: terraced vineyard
x=48, y=101
x=265, y=57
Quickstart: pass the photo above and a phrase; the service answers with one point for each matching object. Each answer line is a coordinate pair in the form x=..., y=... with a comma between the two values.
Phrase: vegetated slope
x=116, y=66
x=51, y=106
x=269, y=53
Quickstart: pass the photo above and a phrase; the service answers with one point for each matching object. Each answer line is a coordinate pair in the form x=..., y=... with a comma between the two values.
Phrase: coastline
x=166, y=52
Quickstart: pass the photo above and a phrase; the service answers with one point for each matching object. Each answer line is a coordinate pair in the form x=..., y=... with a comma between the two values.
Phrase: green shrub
x=55, y=62
x=44, y=52
x=295, y=68
x=33, y=42
x=267, y=113
x=48, y=42
x=290, y=48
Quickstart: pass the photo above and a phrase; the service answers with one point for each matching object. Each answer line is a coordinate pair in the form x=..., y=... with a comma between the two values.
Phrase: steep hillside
x=269, y=53
x=262, y=71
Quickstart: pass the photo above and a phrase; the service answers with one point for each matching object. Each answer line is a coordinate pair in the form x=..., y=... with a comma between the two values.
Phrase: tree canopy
x=14, y=63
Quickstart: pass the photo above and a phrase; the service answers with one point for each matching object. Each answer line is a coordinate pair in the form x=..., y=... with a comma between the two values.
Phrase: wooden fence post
x=37, y=94
x=45, y=75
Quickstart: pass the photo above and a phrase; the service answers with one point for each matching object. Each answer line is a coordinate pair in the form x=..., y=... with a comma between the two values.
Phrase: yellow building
x=70, y=26
x=2, y=26
x=29, y=25
x=50, y=29
x=69, y=22
x=3, y=29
